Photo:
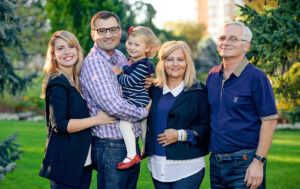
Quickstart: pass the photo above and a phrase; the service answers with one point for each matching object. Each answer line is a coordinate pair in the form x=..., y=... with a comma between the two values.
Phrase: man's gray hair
x=247, y=34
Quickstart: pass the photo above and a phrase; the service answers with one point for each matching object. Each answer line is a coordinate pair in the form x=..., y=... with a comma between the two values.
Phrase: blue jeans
x=106, y=154
x=229, y=170
x=85, y=181
x=191, y=182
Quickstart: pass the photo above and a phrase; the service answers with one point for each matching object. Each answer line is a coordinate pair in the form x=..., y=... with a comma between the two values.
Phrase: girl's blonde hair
x=148, y=37
x=168, y=48
x=51, y=67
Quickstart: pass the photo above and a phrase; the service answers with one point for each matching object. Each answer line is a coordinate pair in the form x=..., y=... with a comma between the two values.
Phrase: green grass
x=282, y=170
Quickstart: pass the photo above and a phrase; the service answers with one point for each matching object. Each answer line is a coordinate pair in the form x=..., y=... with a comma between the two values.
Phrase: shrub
x=8, y=154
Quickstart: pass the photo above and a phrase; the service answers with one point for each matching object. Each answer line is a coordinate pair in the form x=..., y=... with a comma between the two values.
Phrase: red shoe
x=143, y=156
x=133, y=161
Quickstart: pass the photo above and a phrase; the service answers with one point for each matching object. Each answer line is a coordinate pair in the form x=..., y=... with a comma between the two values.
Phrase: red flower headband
x=130, y=30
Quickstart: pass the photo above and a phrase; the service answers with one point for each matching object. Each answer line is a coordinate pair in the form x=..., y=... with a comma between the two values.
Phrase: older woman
x=178, y=123
x=67, y=161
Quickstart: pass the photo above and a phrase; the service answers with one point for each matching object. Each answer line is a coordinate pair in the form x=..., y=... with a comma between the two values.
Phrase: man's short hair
x=247, y=34
x=104, y=15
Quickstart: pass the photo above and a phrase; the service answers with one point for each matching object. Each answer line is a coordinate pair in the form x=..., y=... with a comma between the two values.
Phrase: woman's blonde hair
x=51, y=67
x=168, y=48
x=148, y=37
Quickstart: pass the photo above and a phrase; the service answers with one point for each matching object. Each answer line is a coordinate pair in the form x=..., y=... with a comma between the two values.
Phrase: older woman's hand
x=169, y=136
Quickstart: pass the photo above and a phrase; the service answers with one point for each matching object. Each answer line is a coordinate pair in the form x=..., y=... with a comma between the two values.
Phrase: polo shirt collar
x=176, y=91
x=239, y=69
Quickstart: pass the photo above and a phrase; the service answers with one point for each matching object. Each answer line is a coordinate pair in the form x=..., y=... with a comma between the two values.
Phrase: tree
x=261, y=5
x=10, y=40
x=207, y=55
x=190, y=31
x=275, y=47
x=75, y=16
x=36, y=37
x=9, y=153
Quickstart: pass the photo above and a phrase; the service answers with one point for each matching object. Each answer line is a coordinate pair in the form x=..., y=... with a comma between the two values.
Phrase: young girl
x=141, y=44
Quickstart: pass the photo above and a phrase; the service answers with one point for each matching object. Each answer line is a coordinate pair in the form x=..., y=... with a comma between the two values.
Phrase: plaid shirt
x=101, y=90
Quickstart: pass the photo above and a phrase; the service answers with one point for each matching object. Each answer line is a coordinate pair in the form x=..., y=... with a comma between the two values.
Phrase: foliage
x=288, y=93
x=11, y=27
x=8, y=154
x=293, y=116
x=75, y=16
x=35, y=38
x=192, y=32
x=207, y=55
x=275, y=46
x=28, y=100
x=260, y=5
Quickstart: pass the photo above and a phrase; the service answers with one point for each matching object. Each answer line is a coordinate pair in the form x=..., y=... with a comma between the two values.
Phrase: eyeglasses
x=112, y=30
x=230, y=39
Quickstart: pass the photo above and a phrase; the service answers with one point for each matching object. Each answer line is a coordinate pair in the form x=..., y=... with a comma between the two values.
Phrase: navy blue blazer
x=65, y=153
x=189, y=111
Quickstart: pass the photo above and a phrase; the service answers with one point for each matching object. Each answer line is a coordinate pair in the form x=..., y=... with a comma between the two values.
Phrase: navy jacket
x=189, y=111
x=65, y=153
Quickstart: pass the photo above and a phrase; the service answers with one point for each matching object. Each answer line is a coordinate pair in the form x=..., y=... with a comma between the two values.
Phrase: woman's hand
x=169, y=136
x=117, y=70
x=149, y=105
x=103, y=118
x=149, y=81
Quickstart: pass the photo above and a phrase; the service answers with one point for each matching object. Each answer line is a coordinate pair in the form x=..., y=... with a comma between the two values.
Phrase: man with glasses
x=102, y=91
x=243, y=114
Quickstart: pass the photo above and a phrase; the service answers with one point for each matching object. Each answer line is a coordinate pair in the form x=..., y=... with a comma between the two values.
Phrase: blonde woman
x=67, y=162
x=178, y=122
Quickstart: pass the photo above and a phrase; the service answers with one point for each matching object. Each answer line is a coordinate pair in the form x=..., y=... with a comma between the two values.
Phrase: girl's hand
x=103, y=118
x=117, y=70
x=169, y=136
x=149, y=81
x=149, y=105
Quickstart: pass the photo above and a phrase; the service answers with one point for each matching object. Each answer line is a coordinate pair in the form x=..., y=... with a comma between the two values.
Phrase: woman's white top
x=165, y=170
x=88, y=160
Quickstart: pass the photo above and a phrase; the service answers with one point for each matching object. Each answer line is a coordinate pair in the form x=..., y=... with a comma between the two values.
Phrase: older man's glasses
x=112, y=30
x=230, y=39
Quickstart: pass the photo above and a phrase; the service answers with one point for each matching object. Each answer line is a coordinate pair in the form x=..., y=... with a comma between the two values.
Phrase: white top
x=175, y=92
x=165, y=170
x=88, y=160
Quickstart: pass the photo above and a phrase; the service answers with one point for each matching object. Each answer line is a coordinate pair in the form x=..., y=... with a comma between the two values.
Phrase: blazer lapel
x=179, y=100
x=155, y=98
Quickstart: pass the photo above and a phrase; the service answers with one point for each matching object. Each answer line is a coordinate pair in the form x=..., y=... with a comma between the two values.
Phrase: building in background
x=214, y=13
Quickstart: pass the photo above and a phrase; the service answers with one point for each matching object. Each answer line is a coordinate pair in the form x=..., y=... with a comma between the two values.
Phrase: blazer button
x=171, y=115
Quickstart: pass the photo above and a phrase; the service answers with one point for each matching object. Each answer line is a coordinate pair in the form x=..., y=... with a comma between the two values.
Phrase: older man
x=243, y=114
x=102, y=91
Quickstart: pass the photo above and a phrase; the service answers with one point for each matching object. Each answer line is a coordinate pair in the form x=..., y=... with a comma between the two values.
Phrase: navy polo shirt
x=238, y=106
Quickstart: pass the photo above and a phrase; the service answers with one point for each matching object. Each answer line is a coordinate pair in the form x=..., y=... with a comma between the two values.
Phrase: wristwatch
x=261, y=158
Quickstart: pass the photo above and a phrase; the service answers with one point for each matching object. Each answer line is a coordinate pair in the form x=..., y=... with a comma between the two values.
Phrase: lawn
x=282, y=170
